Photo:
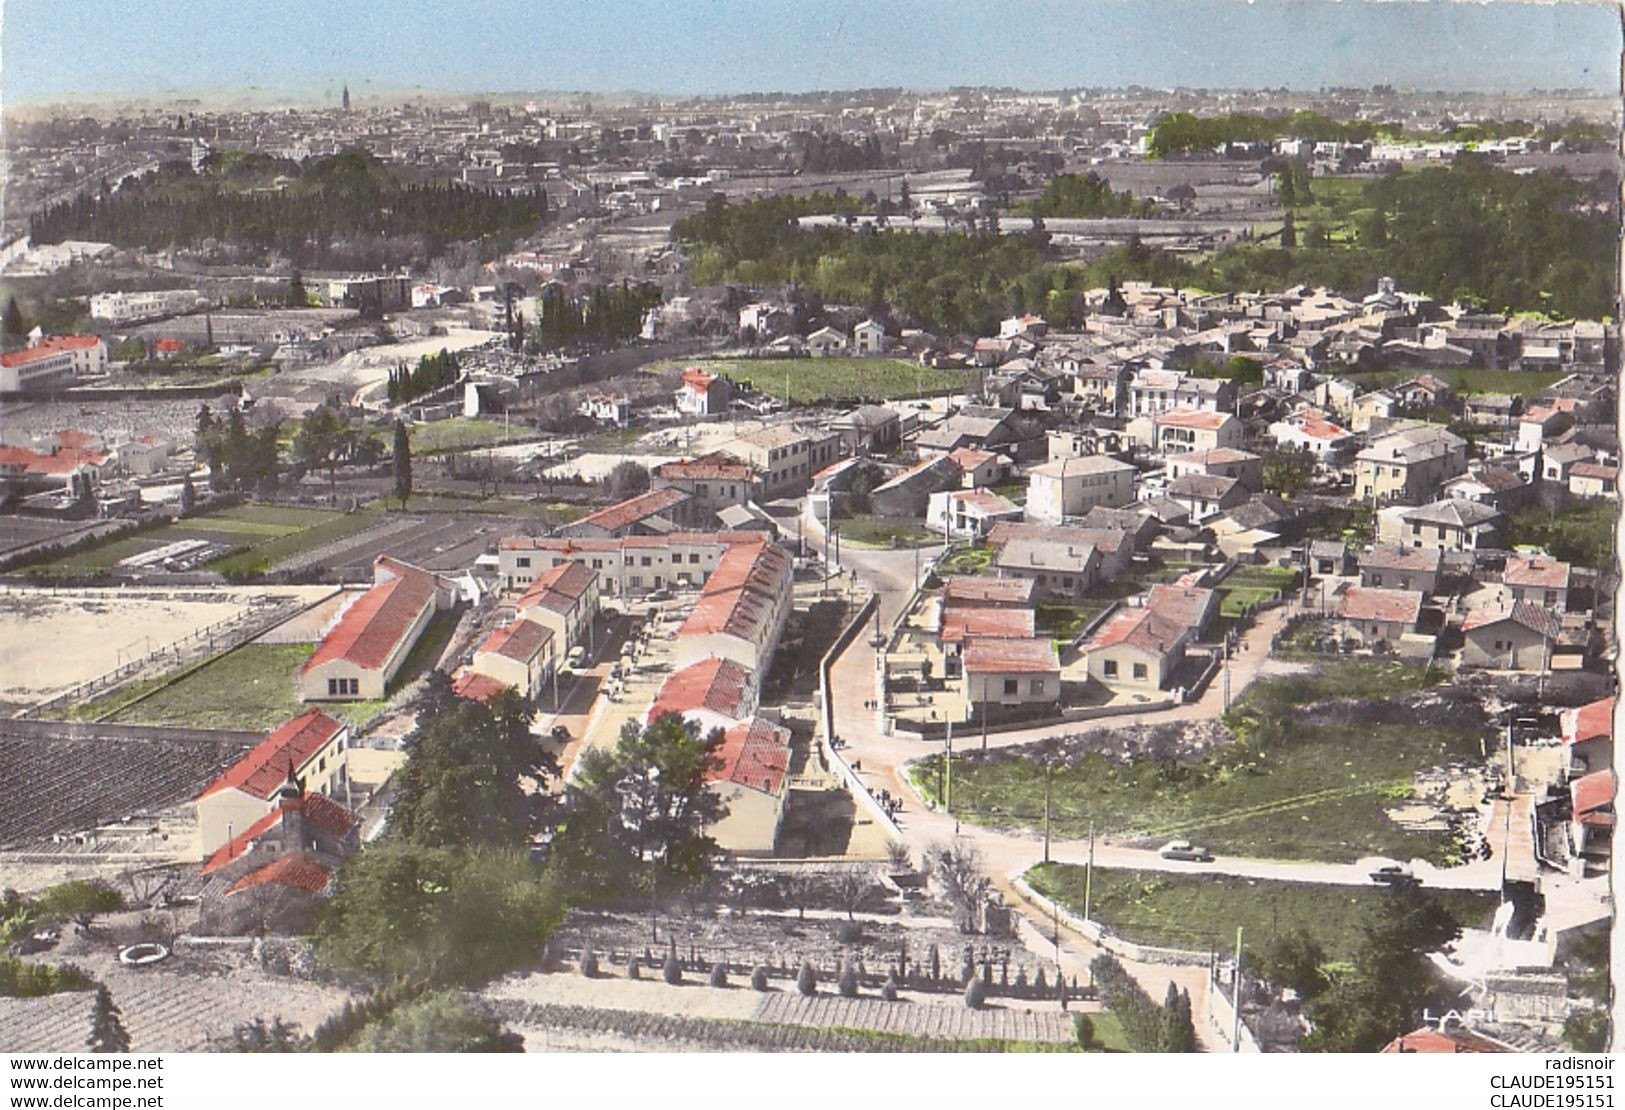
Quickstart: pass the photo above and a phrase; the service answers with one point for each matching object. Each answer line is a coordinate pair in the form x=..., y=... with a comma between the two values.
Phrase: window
x=1036, y=687
x=635, y=581
x=1010, y=686
x=1551, y=597
x=1376, y=579
x=523, y=560
x=1139, y=670
x=1109, y=668
x=694, y=557
x=646, y=560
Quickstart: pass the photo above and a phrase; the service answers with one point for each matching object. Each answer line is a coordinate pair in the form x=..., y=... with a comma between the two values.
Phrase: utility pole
x=1047, y=774
x=1235, y=1028
x=1089, y=873
x=948, y=765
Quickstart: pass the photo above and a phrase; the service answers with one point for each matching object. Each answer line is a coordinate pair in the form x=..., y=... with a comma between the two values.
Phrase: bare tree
x=798, y=890
x=957, y=869
x=852, y=886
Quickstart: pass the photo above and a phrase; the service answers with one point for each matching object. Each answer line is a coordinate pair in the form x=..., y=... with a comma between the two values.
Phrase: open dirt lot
x=50, y=640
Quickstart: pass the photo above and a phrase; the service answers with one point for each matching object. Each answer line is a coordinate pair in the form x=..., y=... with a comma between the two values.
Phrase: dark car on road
x=1185, y=850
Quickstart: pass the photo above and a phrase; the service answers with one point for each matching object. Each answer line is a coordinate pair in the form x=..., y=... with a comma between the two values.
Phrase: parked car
x=1184, y=849
x=1393, y=874
x=559, y=732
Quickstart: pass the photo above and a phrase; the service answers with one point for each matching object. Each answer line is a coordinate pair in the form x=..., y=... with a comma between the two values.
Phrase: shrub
x=633, y=968
x=589, y=962
x=1083, y=1027
x=849, y=932
x=1141, y=1018
x=888, y=989
x=719, y=975
x=932, y=582
x=672, y=972
x=807, y=979
x=758, y=978
x=847, y=984
x=976, y=993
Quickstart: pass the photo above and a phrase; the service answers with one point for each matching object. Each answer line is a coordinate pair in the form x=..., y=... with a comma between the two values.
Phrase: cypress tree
x=107, y=1032
x=403, y=464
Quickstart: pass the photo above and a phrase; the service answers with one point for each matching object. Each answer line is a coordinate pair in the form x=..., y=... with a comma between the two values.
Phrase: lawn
x=1289, y=788
x=1525, y=383
x=968, y=560
x=461, y=433
x=811, y=381
x=1060, y=620
x=325, y=527
x=447, y=501
x=1202, y=912
x=253, y=687
x=878, y=531
x=1245, y=587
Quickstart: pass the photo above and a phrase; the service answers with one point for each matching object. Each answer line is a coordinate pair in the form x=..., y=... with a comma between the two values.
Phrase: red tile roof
x=718, y=465
x=475, y=686
x=558, y=588
x=1190, y=418
x=294, y=869
x=1389, y=557
x=1533, y=617
x=624, y=514
x=318, y=809
x=373, y=625
x=1593, y=798
x=749, y=583
x=1181, y=604
x=698, y=380
x=521, y=641
x=1587, y=722
x=62, y=461
x=999, y=656
x=961, y=623
x=1394, y=606
x=966, y=590
x=1137, y=627
x=717, y=685
x=756, y=755
x=1451, y=1041
x=1593, y=470
x=265, y=768
x=1536, y=571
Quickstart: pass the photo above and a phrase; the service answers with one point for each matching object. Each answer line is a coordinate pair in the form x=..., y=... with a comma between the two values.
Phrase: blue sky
x=52, y=48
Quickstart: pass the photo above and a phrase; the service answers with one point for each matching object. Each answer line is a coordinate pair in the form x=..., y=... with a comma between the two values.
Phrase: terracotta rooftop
x=716, y=685
x=1137, y=627
x=1389, y=557
x=715, y=466
x=558, y=588
x=1593, y=799
x=1190, y=418
x=293, y=869
x=961, y=623
x=749, y=583
x=1000, y=656
x=1392, y=606
x=61, y=461
x=265, y=768
x=1536, y=619
x=520, y=641
x=1587, y=722
x=755, y=755
x=318, y=809
x=1448, y=1041
x=624, y=514
x=1184, y=605
x=1536, y=571
x=965, y=590
x=373, y=625
x=475, y=686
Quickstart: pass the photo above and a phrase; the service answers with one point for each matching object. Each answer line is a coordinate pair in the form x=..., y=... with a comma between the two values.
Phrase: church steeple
x=346, y=100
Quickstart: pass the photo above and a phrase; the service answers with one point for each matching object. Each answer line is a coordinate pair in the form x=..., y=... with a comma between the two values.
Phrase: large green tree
x=439, y=1022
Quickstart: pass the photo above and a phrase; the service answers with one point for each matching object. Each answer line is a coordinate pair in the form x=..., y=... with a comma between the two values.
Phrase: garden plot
x=51, y=641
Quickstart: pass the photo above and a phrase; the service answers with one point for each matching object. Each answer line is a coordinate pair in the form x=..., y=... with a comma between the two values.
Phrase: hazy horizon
x=98, y=50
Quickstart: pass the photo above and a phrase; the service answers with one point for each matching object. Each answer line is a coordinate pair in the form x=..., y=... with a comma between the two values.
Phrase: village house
x=1453, y=524
x=713, y=481
x=651, y=513
x=1204, y=495
x=1558, y=461
x=752, y=781
x=1593, y=481
x=1057, y=569
x=742, y=608
x=1497, y=486
x=1387, y=566
x=713, y=693
x=909, y=492
x=980, y=469
x=361, y=653
x=1190, y=607
x=869, y=338
x=869, y=430
x=1591, y=822
x=1588, y=736
x=1136, y=651
x=1009, y=674
x=1516, y=637
x=1309, y=430
x=1160, y=391
x=1408, y=466
x=1071, y=487
x=958, y=625
x=786, y=456
x=1373, y=616
x=519, y=655
x=980, y=591
x=563, y=599
x=1225, y=462
x=983, y=427
x=703, y=394
x=1539, y=580
x=295, y=847
x=310, y=750
x=826, y=341
x=1181, y=430
x=969, y=513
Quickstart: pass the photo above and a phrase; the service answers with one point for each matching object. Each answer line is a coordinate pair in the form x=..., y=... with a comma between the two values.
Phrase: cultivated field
x=1202, y=912
x=811, y=381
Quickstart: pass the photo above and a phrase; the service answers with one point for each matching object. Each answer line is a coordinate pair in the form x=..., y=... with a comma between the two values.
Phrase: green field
x=461, y=433
x=1202, y=912
x=1522, y=383
x=812, y=381
x=253, y=687
x=261, y=557
x=879, y=531
x=1289, y=788
x=1247, y=586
